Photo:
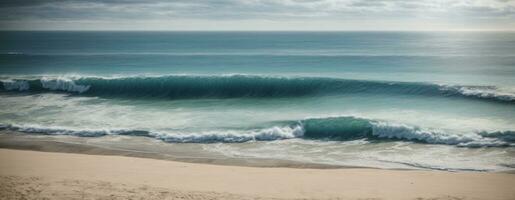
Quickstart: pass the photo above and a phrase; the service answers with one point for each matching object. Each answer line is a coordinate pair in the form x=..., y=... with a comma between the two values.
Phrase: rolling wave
x=237, y=86
x=332, y=128
x=350, y=128
x=228, y=136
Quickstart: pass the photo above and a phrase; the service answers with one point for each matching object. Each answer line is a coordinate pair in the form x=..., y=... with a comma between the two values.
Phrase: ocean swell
x=235, y=86
x=242, y=86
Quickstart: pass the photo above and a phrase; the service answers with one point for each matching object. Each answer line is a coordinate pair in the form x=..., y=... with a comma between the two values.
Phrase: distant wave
x=237, y=86
x=332, y=128
x=13, y=53
x=263, y=52
x=485, y=92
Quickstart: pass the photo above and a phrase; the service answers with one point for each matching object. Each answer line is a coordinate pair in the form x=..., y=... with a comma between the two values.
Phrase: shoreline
x=35, y=142
x=9, y=140
x=33, y=174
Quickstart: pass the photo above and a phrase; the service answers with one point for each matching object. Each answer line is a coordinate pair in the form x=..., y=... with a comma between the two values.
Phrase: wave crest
x=44, y=84
x=230, y=136
x=483, y=92
x=19, y=85
x=63, y=85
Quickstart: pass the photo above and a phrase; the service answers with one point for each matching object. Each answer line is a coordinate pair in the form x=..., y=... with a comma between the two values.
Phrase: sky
x=249, y=15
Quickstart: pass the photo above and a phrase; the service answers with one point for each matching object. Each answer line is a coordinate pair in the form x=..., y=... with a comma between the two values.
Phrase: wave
x=485, y=92
x=63, y=85
x=350, y=128
x=44, y=84
x=18, y=85
x=228, y=136
x=332, y=129
x=237, y=86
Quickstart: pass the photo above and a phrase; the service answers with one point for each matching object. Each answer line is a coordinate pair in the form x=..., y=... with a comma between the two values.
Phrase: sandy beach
x=44, y=175
x=257, y=100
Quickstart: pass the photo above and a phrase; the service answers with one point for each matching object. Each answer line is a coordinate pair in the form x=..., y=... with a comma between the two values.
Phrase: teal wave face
x=339, y=128
x=244, y=86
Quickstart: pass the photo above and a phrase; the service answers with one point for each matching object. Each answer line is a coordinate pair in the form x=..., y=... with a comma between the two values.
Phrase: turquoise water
x=436, y=100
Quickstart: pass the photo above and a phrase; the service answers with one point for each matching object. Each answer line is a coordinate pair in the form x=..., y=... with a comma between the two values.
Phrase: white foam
x=63, y=84
x=432, y=136
x=19, y=85
x=57, y=130
x=274, y=133
x=489, y=92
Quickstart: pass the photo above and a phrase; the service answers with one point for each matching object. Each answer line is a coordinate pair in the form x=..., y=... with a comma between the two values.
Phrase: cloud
x=14, y=12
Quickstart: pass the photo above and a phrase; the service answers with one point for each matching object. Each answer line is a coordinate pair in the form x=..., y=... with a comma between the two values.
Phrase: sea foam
x=63, y=85
x=19, y=85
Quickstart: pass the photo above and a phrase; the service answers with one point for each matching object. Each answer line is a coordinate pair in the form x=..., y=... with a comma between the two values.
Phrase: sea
x=391, y=100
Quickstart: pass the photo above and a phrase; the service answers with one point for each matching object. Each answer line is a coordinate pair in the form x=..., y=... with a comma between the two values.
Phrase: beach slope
x=40, y=175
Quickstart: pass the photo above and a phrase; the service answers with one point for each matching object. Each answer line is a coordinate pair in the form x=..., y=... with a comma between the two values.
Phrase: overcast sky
x=257, y=15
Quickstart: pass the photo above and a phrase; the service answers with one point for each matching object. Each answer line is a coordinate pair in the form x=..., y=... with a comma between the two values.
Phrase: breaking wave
x=44, y=84
x=229, y=136
x=349, y=128
x=332, y=128
x=18, y=85
x=237, y=86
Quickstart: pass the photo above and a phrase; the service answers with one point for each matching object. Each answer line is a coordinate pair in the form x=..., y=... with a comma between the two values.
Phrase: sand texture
x=44, y=175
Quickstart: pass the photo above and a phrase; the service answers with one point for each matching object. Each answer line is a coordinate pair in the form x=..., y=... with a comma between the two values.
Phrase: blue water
x=437, y=100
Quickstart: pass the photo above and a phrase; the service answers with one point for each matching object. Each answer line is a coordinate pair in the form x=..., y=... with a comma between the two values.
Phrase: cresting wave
x=44, y=84
x=229, y=136
x=332, y=128
x=236, y=86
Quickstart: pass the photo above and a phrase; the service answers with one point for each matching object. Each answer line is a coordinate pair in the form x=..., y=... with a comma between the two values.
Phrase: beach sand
x=47, y=175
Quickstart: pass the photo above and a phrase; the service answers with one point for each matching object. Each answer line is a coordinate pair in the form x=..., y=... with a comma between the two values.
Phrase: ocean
x=394, y=100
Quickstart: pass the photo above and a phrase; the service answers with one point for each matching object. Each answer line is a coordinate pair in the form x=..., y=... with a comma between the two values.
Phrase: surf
x=343, y=128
